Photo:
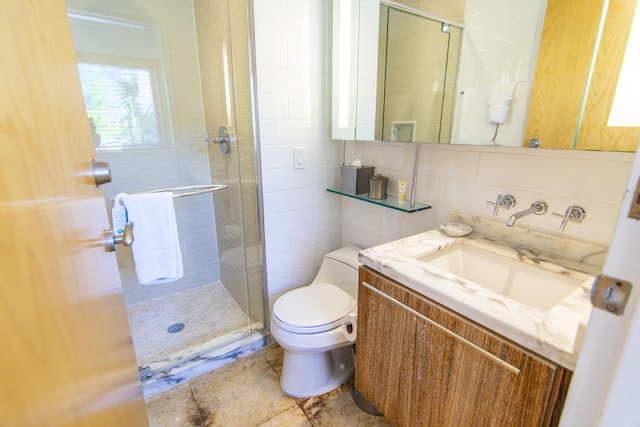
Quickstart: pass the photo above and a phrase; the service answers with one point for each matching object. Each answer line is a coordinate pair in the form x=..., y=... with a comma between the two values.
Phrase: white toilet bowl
x=307, y=323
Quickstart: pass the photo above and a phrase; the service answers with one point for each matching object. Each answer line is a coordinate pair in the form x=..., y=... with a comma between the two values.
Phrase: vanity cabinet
x=422, y=364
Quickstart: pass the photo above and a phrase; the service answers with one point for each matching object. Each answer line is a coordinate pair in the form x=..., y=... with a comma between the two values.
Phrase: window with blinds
x=123, y=81
x=120, y=104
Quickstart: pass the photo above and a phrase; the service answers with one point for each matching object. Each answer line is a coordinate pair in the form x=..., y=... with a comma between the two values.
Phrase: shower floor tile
x=247, y=393
x=207, y=312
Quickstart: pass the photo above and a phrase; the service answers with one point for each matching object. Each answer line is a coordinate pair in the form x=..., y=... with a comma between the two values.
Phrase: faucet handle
x=574, y=214
x=507, y=202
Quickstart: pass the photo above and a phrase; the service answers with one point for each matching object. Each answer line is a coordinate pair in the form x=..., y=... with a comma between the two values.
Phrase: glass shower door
x=155, y=78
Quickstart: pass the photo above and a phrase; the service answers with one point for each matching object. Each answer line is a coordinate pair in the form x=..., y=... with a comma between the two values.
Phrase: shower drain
x=176, y=327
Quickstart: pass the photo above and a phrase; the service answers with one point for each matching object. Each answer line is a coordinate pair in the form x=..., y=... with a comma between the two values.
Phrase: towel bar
x=197, y=189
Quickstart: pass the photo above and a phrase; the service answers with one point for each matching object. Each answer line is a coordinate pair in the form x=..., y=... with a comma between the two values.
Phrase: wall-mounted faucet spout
x=537, y=208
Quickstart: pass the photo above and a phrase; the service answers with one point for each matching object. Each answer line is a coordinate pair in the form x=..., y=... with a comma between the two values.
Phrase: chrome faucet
x=575, y=214
x=507, y=202
x=537, y=208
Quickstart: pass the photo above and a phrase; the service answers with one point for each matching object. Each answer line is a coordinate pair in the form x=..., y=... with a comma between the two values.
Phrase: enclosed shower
x=167, y=87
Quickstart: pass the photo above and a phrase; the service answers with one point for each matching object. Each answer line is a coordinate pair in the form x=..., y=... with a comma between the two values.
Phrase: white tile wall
x=464, y=178
x=302, y=220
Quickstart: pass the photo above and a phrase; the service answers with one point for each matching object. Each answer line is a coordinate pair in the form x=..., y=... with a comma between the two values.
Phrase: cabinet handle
x=452, y=334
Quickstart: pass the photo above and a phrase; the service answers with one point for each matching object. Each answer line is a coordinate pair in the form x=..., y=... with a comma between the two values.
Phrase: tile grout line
x=301, y=406
x=195, y=402
x=298, y=402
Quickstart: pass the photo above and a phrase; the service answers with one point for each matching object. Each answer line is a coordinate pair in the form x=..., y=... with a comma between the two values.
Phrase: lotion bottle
x=402, y=190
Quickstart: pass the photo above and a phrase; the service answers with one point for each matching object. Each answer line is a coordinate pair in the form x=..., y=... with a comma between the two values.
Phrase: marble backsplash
x=589, y=253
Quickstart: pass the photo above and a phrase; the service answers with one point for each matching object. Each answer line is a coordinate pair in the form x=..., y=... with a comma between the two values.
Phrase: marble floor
x=247, y=393
x=207, y=312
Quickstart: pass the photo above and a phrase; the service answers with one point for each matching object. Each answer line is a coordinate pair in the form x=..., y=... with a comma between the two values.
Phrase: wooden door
x=67, y=355
x=566, y=48
x=595, y=132
x=566, y=51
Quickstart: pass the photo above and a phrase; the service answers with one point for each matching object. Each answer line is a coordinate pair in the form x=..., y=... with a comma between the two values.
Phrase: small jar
x=378, y=187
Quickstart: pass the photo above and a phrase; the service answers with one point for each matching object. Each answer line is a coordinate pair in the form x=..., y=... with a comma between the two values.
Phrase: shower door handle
x=223, y=138
x=126, y=238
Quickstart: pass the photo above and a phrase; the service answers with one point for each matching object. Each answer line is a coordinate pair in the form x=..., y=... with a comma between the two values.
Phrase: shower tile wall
x=183, y=158
x=225, y=66
x=407, y=74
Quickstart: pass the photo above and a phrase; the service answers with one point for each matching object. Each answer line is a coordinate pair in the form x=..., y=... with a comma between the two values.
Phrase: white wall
x=302, y=220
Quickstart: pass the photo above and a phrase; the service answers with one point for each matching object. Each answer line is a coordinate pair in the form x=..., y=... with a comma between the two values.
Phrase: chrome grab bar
x=198, y=189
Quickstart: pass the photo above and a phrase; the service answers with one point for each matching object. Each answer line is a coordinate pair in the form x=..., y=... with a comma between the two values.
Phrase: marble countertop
x=555, y=334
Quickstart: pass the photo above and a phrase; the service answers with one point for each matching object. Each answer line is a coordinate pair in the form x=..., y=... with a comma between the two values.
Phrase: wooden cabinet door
x=386, y=359
x=67, y=355
x=423, y=365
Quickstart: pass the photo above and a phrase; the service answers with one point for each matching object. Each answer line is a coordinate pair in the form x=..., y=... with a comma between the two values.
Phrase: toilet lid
x=313, y=309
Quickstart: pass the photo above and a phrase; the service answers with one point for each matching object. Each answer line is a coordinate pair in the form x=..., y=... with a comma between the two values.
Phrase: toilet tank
x=340, y=268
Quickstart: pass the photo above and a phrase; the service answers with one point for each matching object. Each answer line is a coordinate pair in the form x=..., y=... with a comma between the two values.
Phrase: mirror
x=415, y=93
x=498, y=62
x=585, y=53
x=385, y=86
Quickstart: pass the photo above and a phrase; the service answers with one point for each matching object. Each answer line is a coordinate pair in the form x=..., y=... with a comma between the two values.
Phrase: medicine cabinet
x=394, y=73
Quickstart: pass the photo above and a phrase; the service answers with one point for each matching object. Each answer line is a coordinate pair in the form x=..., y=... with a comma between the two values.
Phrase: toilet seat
x=312, y=309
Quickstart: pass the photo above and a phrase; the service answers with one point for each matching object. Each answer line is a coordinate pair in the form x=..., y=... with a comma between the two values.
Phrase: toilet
x=307, y=323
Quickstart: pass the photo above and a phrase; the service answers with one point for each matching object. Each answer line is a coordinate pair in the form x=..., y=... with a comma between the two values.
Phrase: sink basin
x=529, y=284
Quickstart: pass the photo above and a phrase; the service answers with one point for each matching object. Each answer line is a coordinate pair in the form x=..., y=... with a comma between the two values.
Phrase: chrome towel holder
x=189, y=190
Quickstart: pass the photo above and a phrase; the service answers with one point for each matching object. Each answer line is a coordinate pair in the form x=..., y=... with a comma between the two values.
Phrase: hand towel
x=156, y=249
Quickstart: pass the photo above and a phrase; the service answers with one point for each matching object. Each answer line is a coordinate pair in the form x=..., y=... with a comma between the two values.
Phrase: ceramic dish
x=454, y=229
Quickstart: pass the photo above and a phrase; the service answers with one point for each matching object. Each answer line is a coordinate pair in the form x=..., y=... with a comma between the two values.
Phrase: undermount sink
x=531, y=285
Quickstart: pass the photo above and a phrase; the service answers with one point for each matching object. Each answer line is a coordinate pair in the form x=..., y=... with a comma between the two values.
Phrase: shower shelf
x=389, y=202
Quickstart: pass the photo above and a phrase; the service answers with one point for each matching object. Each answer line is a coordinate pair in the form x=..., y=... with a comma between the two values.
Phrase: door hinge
x=610, y=294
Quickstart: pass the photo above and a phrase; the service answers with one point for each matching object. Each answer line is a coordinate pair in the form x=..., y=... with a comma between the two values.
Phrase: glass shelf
x=389, y=202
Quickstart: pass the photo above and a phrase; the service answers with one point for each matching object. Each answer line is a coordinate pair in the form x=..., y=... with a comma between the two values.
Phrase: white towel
x=156, y=249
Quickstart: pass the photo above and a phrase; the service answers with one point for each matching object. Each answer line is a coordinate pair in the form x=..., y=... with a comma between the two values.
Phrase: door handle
x=223, y=138
x=101, y=172
x=126, y=238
